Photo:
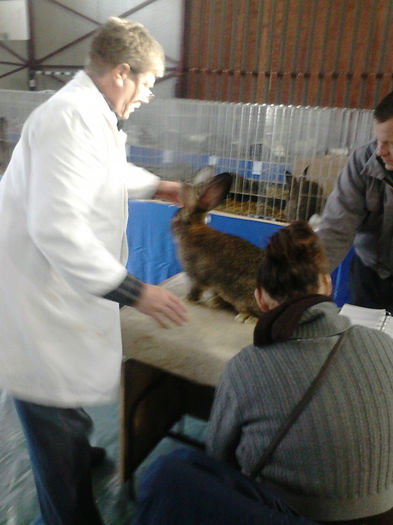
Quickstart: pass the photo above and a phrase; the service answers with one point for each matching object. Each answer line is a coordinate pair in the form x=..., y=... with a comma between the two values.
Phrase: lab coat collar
x=83, y=79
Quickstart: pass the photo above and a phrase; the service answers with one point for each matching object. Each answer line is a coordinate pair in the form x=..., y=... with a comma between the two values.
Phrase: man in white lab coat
x=63, y=249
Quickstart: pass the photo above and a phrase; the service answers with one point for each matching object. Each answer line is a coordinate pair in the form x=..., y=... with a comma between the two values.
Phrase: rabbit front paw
x=246, y=318
x=195, y=294
x=216, y=302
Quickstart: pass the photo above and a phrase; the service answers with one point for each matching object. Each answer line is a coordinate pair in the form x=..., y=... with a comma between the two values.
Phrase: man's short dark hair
x=384, y=110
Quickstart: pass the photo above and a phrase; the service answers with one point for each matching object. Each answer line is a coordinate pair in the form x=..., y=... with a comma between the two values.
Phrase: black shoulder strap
x=301, y=405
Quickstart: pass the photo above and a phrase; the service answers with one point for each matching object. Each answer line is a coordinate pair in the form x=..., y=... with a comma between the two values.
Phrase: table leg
x=150, y=403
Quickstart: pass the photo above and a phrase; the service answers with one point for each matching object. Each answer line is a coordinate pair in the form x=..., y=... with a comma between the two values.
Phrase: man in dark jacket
x=359, y=211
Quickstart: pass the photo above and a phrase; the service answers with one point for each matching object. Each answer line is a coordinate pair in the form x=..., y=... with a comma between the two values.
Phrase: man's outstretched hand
x=161, y=305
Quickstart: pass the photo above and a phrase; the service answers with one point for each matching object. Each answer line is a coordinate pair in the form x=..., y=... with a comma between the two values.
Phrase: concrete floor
x=18, y=502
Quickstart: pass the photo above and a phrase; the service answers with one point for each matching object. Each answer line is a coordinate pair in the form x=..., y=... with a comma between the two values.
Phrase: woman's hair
x=292, y=262
x=124, y=41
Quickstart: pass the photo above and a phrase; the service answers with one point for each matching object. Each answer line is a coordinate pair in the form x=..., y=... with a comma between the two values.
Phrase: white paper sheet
x=371, y=317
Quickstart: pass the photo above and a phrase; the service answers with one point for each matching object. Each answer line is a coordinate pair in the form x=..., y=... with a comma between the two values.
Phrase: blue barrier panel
x=340, y=280
x=152, y=256
x=258, y=232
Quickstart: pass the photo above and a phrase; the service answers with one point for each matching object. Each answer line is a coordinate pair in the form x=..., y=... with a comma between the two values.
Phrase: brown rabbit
x=223, y=263
x=306, y=197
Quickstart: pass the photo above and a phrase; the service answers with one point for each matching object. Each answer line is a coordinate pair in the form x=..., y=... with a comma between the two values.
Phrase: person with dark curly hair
x=335, y=463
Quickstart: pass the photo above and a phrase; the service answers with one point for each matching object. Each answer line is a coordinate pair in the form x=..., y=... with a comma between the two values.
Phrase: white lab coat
x=63, y=217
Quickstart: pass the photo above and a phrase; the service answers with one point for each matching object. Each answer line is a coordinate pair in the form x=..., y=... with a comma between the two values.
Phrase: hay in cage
x=284, y=159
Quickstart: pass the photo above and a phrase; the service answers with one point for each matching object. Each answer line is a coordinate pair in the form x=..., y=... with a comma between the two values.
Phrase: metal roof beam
x=74, y=11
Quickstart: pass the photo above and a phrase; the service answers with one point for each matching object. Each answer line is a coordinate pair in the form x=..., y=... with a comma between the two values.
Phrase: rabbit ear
x=188, y=196
x=304, y=174
x=215, y=191
x=204, y=175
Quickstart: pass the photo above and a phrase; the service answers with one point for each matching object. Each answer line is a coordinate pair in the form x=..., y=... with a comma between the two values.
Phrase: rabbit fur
x=305, y=199
x=215, y=261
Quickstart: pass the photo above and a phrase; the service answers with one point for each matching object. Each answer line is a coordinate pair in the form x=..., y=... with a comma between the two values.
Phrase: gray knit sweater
x=336, y=462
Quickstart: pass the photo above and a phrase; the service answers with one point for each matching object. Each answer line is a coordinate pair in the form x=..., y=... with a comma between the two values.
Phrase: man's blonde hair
x=124, y=41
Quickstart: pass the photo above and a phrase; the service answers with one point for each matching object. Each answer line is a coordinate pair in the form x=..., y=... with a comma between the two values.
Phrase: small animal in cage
x=219, y=262
x=306, y=197
x=260, y=151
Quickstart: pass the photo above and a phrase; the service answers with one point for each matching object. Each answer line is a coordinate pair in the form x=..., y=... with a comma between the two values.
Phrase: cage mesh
x=284, y=159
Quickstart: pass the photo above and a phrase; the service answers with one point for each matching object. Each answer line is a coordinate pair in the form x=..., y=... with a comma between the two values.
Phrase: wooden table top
x=197, y=351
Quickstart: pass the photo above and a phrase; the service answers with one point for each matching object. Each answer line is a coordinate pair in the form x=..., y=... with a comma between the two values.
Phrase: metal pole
x=31, y=60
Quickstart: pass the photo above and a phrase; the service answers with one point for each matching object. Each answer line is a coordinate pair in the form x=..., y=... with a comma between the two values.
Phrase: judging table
x=167, y=373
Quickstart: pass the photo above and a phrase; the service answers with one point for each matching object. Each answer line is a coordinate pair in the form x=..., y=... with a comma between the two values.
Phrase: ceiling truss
x=37, y=65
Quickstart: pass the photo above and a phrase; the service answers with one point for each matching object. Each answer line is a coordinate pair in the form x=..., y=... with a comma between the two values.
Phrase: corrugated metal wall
x=299, y=52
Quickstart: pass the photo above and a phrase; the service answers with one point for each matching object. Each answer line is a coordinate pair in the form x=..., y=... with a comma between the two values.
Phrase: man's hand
x=161, y=305
x=170, y=191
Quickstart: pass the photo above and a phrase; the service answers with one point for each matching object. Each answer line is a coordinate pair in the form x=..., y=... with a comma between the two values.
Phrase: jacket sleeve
x=127, y=293
x=69, y=163
x=345, y=210
x=225, y=422
x=141, y=184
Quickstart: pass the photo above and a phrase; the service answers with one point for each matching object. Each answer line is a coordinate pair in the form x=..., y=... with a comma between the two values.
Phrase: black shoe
x=98, y=455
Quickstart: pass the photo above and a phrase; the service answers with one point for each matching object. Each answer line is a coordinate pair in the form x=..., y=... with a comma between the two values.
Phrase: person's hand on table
x=161, y=305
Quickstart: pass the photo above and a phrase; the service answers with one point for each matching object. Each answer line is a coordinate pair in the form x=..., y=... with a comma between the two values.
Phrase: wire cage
x=15, y=107
x=284, y=159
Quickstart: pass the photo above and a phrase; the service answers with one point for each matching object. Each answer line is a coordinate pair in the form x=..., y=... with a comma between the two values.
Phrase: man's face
x=384, y=134
x=135, y=92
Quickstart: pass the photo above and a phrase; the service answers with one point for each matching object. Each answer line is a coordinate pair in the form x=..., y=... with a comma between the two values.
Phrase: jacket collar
x=280, y=323
x=372, y=167
x=322, y=319
x=83, y=80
